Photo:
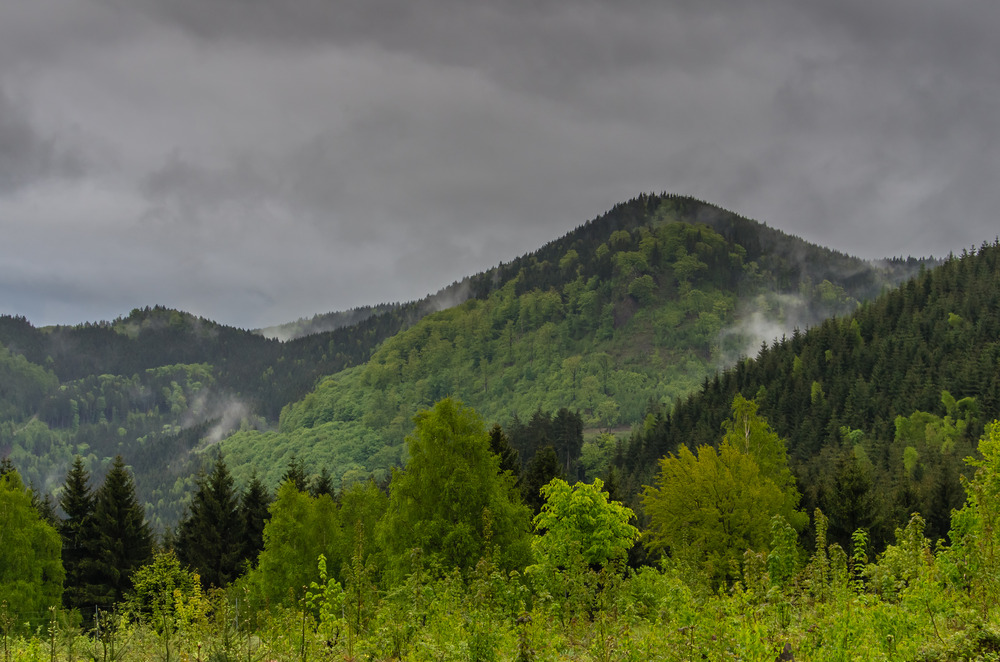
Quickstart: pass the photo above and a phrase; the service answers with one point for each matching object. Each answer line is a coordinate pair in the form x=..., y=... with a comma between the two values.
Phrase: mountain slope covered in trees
x=879, y=408
x=636, y=306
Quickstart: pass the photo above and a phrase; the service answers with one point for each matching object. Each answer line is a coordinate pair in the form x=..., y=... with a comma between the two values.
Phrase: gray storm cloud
x=254, y=163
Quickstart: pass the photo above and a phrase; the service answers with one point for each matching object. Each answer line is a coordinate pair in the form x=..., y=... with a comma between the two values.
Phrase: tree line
x=449, y=552
x=462, y=496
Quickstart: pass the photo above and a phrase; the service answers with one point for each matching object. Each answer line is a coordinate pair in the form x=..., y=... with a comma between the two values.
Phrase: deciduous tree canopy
x=31, y=571
x=451, y=501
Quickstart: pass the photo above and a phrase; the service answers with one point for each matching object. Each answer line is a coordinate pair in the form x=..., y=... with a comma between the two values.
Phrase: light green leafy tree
x=451, y=501
x=973, y=558
x=164, y=590
x=747, y=431
x=31, y=570
x=300, y=529
x=580, y=521
x=709, y=508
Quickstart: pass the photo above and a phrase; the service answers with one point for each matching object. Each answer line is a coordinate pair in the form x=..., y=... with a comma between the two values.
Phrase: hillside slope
x=879, y=408
x=635, y=307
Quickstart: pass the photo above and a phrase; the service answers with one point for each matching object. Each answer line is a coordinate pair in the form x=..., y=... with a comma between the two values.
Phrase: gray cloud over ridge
x=255, y=162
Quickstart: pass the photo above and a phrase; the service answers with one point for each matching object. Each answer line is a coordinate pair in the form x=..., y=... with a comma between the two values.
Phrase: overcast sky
x=254, y=161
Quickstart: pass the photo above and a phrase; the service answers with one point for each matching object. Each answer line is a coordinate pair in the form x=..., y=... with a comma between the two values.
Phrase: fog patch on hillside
x=763, y=320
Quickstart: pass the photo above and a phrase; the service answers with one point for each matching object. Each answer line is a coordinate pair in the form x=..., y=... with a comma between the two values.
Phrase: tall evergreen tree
x=323, y=484
x=209, y=537
x=77, y=531
x=296, y=473
x=45, y=505
x=509, y=458
x=123, y=541
x=567, y=430
x=540, y=471
x=254, y=514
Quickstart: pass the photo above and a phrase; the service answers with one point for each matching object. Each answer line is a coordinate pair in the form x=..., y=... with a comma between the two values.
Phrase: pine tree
x=123, y=541
x=543, y=468
x=209, y=537
x=500, y=446
x=45, y=505
x=254, y=514
x=323, y=484
x=567, y=430
x=296, y=473
x=77, y=531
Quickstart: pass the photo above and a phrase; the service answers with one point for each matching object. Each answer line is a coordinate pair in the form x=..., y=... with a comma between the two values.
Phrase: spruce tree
x=123, y=541
x=567, y=432
x=208, y=539
x=296, y=473
x=254, y=514
x=544, y=466
x=45, y=505
x=323, y=484
x=77, y=531
x=508, y=455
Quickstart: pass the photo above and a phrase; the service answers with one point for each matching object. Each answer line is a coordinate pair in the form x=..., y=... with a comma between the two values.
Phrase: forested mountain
x=789, y=495
x=879, y=408
x=637, y=306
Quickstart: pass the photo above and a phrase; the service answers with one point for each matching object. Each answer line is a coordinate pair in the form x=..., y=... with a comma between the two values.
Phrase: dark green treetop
x=122, y=536
x=209, y=537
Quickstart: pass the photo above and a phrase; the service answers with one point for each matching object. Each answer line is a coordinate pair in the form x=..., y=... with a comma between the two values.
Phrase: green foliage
x=885, y=373
x=327, y=598
x=784, y=559
x=24, y=385
x=78, y=537
x=300, y=529
x=753, y=436
x=451, y=501
x=973, y=560
x=901, y=606
x=122, y=540
x=541, y=470
x=500, y=446
x=596, y=455
x=31, y=571
x=579, y=522
x=708, y=509
x=253, y=514
x=209, y=538
x=163, y=590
